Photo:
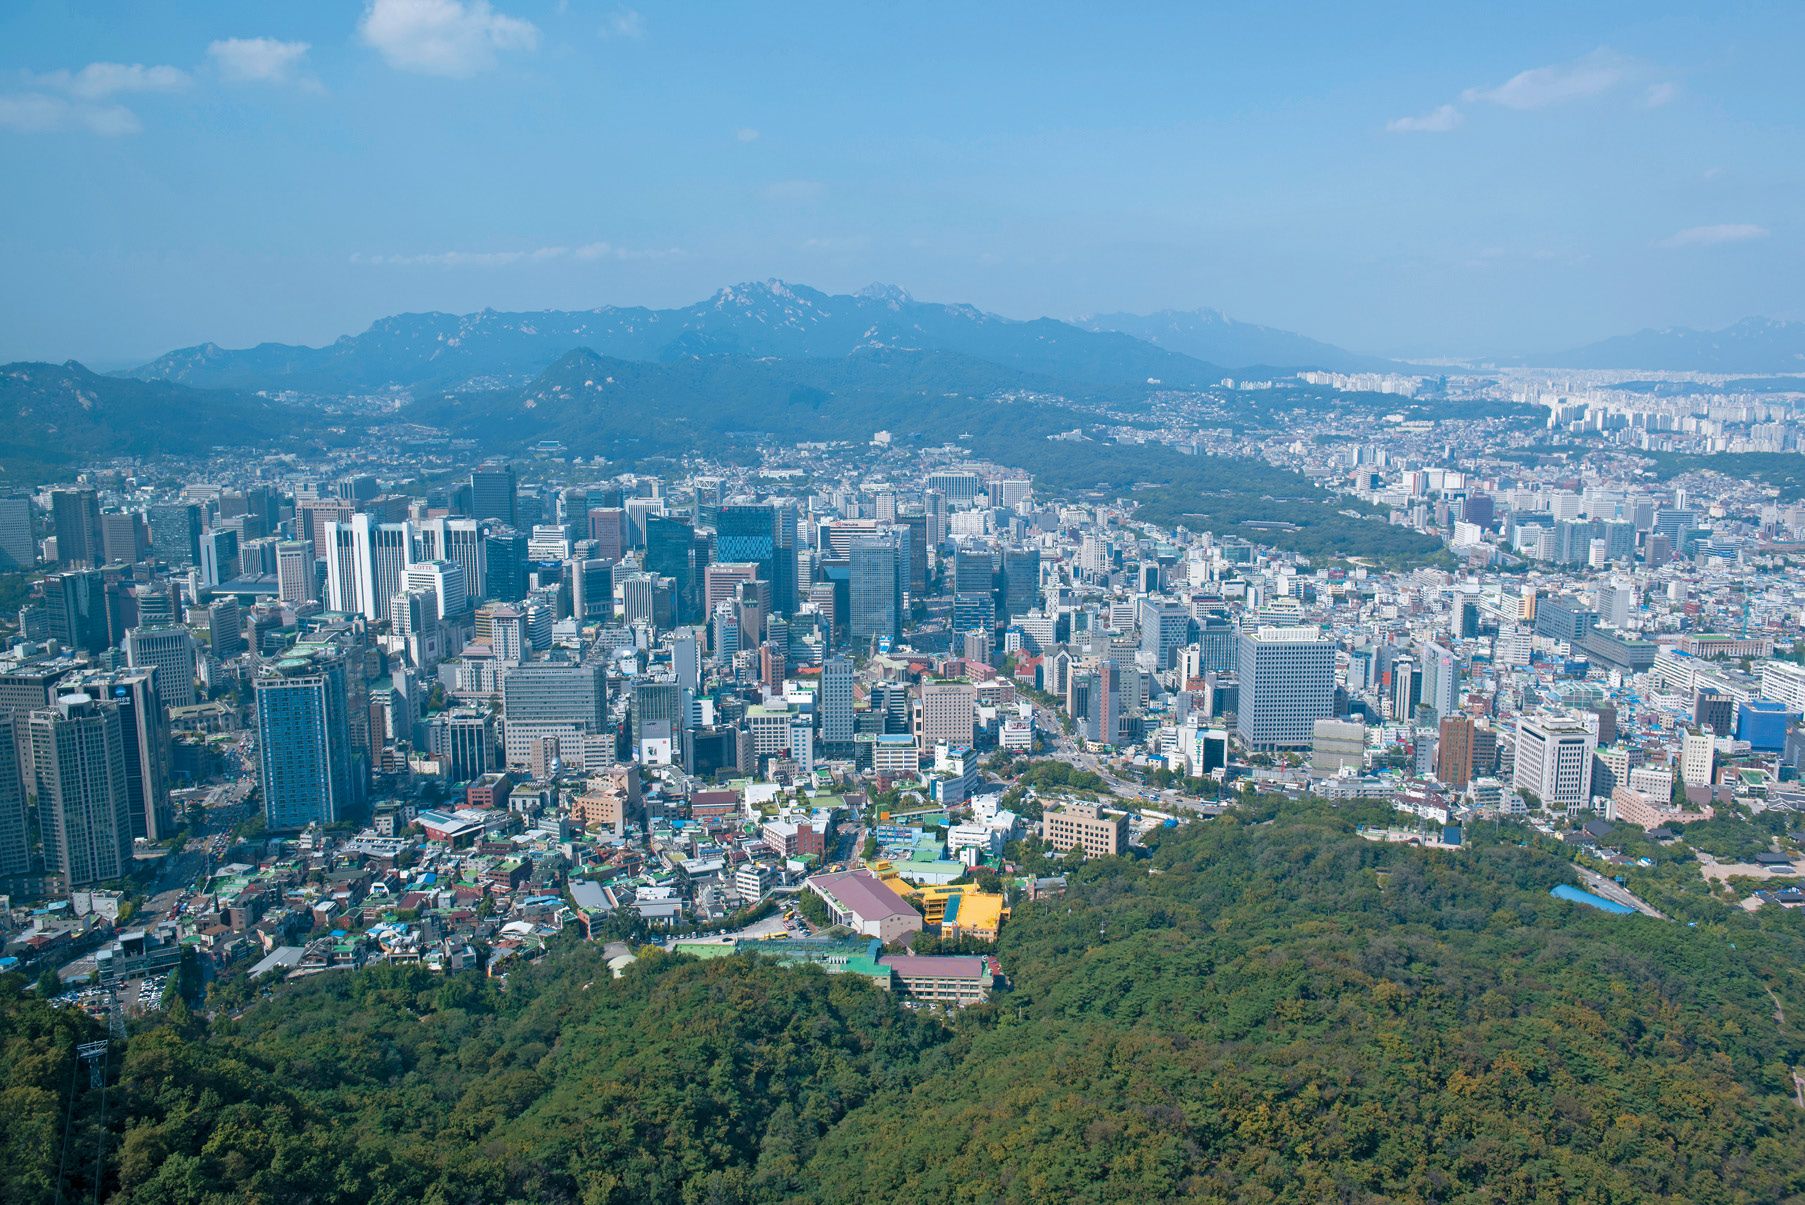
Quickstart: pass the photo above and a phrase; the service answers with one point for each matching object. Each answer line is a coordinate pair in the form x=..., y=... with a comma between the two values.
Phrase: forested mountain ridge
x=57, y=415
x=1268, y=1009
x=763, y=318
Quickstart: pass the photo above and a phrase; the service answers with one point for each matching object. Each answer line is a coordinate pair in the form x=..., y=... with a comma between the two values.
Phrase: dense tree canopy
x=1266, y=1008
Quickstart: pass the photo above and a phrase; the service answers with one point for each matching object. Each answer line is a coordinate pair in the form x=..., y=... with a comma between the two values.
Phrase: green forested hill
x=1282, y=1014
x=1268, y=1009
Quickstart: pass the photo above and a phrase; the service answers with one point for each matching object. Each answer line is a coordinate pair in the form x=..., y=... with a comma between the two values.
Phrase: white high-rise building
x=1698, y=757
x=1287, y=684
x=365, y=564
x=459, y=540
x=1784, y=682
x=295, y=580
x=445, y=581
x=1553, y=758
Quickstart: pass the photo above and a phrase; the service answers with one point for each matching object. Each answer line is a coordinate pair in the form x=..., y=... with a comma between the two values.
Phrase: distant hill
x=599, y=404
x=1212, y=336
x=770, y=318
x=1755, y=345
x=61, y=414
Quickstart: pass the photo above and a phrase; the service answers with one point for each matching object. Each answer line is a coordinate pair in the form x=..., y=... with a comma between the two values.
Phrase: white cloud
x=627, y=23
x=1713, y=236
x=1660, y=94
x=748, y=134
x=41, y=113
x=257, y=60
x=443, y=37
x=1540, y=87
x=99, y=81
x=82, y=101
x=586, y=253
x=1436, y=121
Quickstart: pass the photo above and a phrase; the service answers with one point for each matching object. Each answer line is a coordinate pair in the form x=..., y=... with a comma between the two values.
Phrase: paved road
x=1067, y=749
x=1615, y=892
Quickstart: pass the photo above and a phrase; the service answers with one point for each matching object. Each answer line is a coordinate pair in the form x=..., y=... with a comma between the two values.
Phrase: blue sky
x=1419, y=179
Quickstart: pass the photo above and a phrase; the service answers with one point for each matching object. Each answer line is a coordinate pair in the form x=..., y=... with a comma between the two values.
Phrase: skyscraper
x=495, y=494
x=671, y=552
x=876, y=590
x=564, y=700
x=1553, y=758
x=169, y=650
x=1465, y=751
x=1020, y=588
x=657, y=721
x=365, y=564
x=175, y=533
x=75, y=517
x=504, y=565
x=225, y=628
x=974, y=569
x=85, y=612
x=1287, y=684
x=444, y=580
x=219, y=555
x=1441, y=680
x=78, y=763
x=1164, y=626
x=836, y=701
x=753, y=534
x=304, y=739
x=122, y=539
x=18, y=536
x=296, y=580
x=144, y=743
x=15, y=834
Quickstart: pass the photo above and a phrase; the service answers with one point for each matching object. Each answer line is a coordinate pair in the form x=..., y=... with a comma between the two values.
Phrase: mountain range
x=60, y=415
x=1213, y=336
x=769, y=318
x=1752, y=345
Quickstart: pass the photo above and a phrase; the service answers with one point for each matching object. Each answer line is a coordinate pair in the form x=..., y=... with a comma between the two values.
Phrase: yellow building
x=962, y=910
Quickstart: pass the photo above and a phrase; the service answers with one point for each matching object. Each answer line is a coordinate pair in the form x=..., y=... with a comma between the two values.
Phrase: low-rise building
x=1085, y=826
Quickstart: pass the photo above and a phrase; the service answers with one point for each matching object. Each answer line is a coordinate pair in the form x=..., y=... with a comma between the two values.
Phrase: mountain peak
x=762, y=290
x=879, y=291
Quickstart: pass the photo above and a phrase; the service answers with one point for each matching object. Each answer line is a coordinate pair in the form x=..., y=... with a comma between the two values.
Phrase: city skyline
x=1482, y=186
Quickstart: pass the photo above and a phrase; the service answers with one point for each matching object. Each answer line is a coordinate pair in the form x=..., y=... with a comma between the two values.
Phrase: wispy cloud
x=1540, y=87
x=443, y=37
x=1715, y=236
x=41, y=113
x=584, y=253
x=1594, y=74
x=1436, y=121
x=100, y=81
x=626, y=23
x=258, y=60
x=747, y=134
x=83, y=101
